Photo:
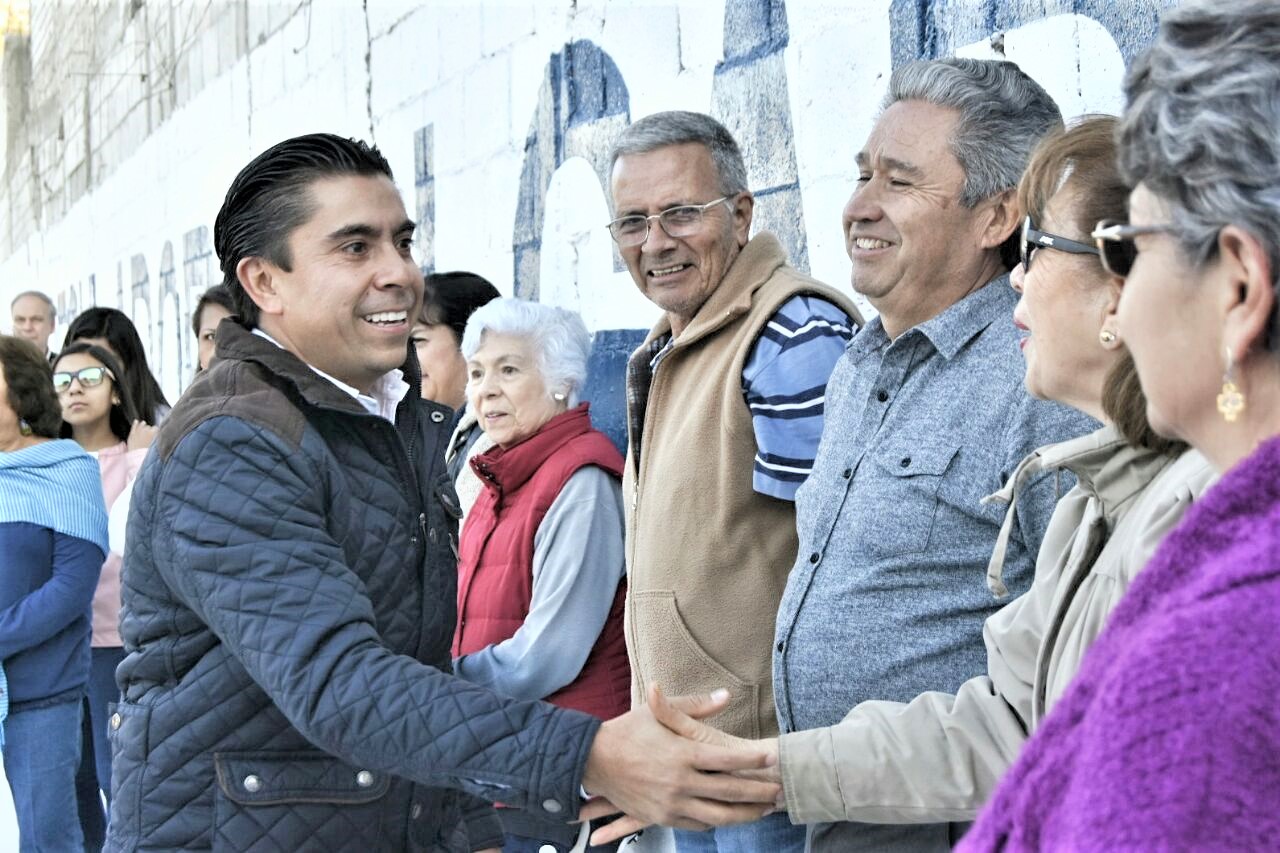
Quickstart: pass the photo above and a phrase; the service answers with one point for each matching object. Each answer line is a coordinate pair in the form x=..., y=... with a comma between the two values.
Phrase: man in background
x=34, y=317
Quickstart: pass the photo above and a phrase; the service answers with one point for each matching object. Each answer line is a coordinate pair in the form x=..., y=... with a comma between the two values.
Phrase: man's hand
x=641, y=764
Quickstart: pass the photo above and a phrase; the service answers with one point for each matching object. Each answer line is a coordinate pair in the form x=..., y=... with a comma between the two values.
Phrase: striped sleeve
x=785, y=382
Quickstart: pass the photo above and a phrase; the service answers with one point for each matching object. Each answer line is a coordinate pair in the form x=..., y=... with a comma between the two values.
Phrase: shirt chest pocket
x=907, y=478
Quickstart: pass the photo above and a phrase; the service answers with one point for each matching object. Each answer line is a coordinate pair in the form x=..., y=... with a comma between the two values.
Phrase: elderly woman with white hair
x=540, y=562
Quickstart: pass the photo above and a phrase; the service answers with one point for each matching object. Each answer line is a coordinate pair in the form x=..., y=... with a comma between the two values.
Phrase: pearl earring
x=1106, y=336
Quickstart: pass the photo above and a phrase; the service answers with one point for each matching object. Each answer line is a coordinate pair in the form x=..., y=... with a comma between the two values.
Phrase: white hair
x=559, y=338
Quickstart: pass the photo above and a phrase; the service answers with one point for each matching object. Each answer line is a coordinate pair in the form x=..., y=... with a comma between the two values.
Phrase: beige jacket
x=708, y=556
x=939, y=757
x=466, y=483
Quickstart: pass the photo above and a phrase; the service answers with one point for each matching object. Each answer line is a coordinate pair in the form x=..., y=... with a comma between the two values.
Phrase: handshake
x=659, y=764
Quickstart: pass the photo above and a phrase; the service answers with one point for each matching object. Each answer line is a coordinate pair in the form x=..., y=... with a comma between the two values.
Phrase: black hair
x=124, y=413
x=271, y=197
x=30, y=386
x=219, y=295
x=122, y=336
x=452, y=297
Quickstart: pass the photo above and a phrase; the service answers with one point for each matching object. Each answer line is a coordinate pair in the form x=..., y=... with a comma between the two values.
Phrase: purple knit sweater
x=1169, y=737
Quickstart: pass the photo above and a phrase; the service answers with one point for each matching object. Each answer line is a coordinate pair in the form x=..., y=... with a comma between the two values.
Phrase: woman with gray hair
x=1169, y=738
x=540, y=561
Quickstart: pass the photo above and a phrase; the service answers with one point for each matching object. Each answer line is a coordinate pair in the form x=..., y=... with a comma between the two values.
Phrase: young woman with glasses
x=98, y=412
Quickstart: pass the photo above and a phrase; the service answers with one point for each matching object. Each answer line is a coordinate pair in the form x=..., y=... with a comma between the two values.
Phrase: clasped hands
x=659, y=764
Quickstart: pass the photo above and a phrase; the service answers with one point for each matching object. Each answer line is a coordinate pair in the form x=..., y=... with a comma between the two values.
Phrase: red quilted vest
x=495, y=555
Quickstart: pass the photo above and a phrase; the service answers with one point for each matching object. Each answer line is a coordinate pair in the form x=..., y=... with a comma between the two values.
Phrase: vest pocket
x=289, y=798
x=668, y=655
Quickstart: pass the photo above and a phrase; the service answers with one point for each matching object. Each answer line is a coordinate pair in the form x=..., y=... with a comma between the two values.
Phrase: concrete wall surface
x=127, y=119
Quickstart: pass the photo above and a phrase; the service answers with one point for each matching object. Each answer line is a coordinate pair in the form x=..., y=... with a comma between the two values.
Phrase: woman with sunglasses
x=1169, y=738
x=940, y=756
x=53, y=538
x=99, y=414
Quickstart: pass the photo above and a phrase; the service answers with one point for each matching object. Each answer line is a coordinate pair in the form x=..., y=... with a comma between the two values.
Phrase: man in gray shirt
x=926, y=414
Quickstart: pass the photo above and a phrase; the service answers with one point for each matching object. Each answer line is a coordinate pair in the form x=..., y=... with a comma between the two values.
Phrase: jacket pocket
x=908, y=481
x=128, y=733
x=292, y=800
x=668, y=655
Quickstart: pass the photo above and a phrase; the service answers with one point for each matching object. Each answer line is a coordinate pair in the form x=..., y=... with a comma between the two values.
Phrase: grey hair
x=678, y=127
x=1202, y=128
x=559, y=337
x=43, y=297
x=1003, y=116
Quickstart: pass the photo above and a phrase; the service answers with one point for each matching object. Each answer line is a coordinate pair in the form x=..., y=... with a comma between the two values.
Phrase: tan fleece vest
x=707, y=556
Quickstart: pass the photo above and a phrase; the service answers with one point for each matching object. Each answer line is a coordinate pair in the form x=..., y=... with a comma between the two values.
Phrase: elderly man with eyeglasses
x=725, y=406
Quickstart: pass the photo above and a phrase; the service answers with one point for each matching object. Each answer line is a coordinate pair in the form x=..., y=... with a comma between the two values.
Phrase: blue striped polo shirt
x=785, y=382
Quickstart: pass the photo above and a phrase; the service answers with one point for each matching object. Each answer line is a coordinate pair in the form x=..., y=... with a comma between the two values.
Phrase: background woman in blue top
x=53, y=534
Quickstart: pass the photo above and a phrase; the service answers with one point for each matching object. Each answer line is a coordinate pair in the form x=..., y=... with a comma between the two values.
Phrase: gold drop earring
x=1231, y=400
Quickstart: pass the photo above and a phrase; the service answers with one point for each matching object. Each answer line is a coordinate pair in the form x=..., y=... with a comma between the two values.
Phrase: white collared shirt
x=388, y=391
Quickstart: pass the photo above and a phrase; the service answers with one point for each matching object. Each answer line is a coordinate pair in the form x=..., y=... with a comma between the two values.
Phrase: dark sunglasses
x=1116, y=245
x=1033, y=238
x=89, y=377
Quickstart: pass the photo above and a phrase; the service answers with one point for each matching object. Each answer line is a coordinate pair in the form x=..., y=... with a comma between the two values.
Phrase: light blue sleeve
x=577, y=566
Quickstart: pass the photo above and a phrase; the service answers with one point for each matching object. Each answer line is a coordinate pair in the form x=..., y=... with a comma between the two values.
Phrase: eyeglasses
x=1033, y=239
x=89, y=377
x=1116, y=245
x=682, y=221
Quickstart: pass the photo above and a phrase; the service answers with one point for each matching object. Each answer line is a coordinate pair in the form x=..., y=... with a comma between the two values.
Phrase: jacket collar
x=1110, y=469
x=236, y=343
x=508, y=468
x=753, y=267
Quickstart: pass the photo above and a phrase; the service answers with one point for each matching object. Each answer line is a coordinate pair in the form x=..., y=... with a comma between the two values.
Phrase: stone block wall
x=126, y=120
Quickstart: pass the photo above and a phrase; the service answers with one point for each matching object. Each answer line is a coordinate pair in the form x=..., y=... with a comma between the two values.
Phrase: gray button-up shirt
x=888, y=596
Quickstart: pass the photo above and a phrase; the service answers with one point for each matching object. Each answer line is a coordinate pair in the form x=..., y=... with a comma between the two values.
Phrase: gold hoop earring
x=1106, y=336
x=1231, y=400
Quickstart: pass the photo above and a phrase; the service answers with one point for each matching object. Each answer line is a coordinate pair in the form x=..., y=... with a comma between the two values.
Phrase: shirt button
x=781, y=646
x=115, y=722
x=848, y=472
x=546, y=848
x=882, y=395
x=364, y=778
x=252, y=784
x=416, y=811
x=815, y=557
x=905, y=462
x=552, y=806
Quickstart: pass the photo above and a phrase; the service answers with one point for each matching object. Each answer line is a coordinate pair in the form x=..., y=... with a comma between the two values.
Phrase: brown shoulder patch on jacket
x=237, y=389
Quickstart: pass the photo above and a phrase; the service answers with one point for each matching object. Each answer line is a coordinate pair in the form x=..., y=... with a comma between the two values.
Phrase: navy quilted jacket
x=289, y=598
